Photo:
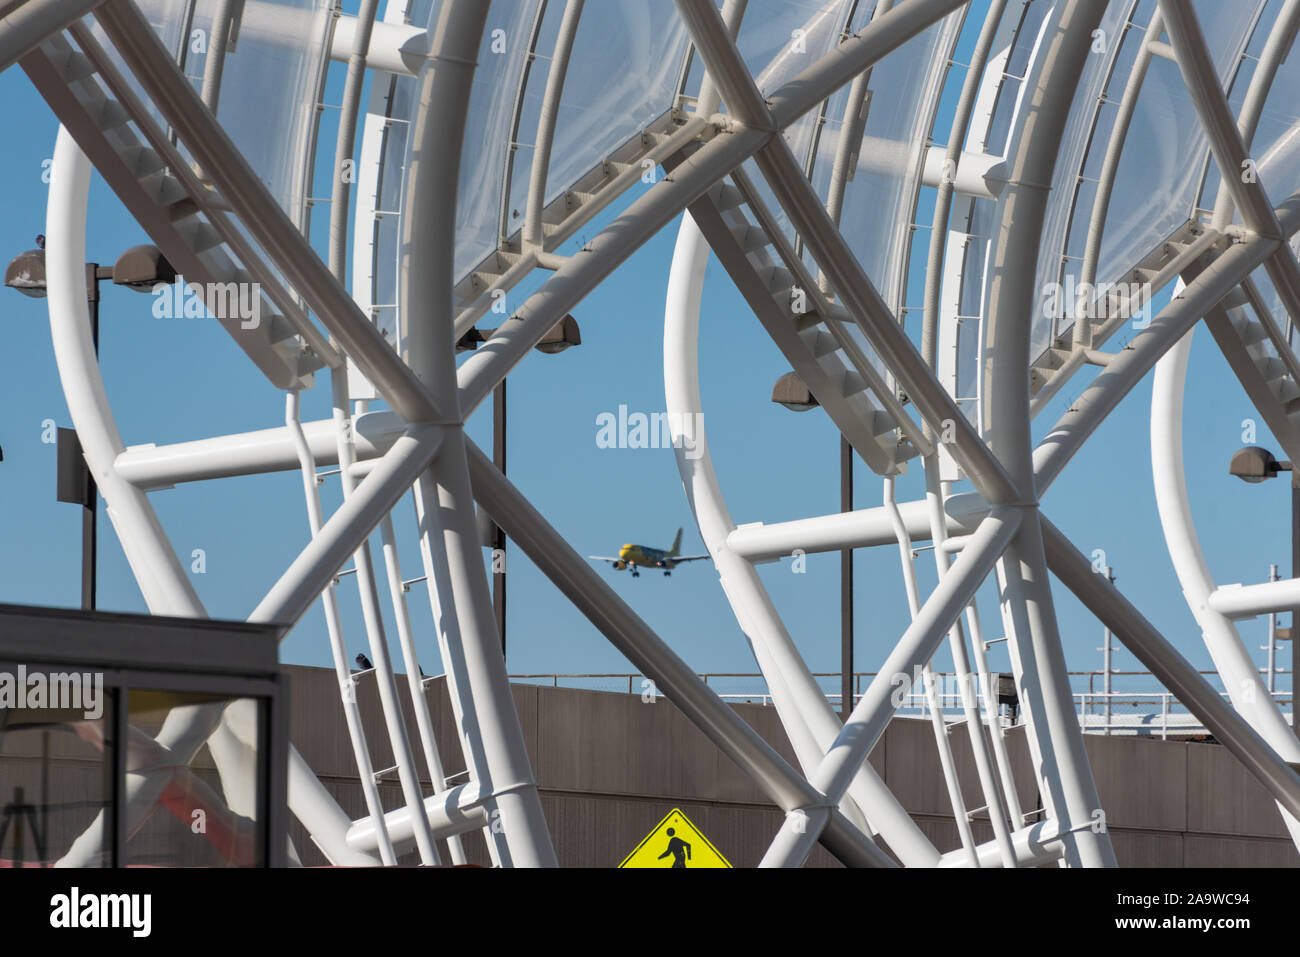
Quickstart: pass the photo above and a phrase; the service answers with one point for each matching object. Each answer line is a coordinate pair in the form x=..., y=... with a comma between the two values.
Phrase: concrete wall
x=610, y=767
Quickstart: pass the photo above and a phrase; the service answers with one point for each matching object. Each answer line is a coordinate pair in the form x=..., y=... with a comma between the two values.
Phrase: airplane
x=643, y=556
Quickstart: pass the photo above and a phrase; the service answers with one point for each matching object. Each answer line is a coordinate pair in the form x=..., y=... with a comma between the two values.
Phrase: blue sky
x=177, y=379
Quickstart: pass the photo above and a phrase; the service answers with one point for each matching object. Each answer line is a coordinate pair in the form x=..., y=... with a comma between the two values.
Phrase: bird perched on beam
x=364, y=663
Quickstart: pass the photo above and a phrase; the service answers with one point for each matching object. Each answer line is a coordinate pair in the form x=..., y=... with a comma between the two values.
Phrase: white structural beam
x=859, y=52
x=1238, y=172
x=1247, y=601
x=1034, y=642
x=480, y=373
x=864, y=527
x=338, y=645
x=1130, y=366
x=252, y=453
x=252, y=202
x=547, y=118
x=349, y=526
x=399, y=48
x=833, y=254
x=1151, y=648
x=23, y=27
x=912, y=653
x=1035, y=846
x=1238, y=671
x=166, y=587
x=1271, y=58
x=491, y=738
x=807, y=716
x=450, y=813
x=679, y=683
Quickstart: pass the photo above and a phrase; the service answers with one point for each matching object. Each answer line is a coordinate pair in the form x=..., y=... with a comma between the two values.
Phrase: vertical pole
x=1295, y=612
x=846, y=585
x=45, y=794
x=1056, y=744
x=1273, y=640
x=1105, y=659
x=89, y=527
x=117, y=789
x=491, y=737
x=499, y=536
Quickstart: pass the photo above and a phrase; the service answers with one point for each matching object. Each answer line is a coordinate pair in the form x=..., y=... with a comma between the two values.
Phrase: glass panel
x=56, y=763
x=203, y=819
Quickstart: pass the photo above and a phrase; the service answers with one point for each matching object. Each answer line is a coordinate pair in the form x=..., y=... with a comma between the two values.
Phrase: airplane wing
x=689, y=558
x=605, y=558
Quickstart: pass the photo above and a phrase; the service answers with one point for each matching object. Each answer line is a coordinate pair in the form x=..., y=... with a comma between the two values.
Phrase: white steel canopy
x=1089, y=143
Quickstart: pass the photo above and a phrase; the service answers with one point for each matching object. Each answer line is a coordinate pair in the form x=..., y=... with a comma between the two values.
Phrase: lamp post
x=563, y=335
x=1106, y=662
x=1253, y=464
x=791, y=392
x=139, y=268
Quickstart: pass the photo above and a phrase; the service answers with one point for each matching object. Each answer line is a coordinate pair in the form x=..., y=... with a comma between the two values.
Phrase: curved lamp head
x=26, y=273
x=142, y=268
x=1254, y=464
x=563, y=335
x=791, y=392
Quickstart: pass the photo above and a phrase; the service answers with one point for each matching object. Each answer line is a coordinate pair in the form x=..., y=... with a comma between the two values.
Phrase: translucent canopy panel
x=625, y=70
x=1163, y=163
x=381, y=179
x=880, y=200
x=271, y=79
x=810, y=30
x=270, y=86
x=1078, y=135
x=1276, y=150
x=970, y=236
x=489, y=123
x=1070, y=197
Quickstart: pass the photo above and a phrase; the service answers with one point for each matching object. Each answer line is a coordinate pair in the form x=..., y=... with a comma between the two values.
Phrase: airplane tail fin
x=677, y=544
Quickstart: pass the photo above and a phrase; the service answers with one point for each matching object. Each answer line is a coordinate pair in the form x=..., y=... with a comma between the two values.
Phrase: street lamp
x=139, y=268
x=792, y=392
x=1254, y=465
x=561, y=336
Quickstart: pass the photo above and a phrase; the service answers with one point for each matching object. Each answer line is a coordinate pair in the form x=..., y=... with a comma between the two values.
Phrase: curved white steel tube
x=961, y=669
x=157, y=570
x=1241, y=680
x=163, y=582
x=334, y=628
x=798, y=699
x=937, y=720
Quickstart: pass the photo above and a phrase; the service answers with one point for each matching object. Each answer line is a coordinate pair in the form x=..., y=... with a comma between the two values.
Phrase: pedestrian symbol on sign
x=679, y=849
x=675, y=843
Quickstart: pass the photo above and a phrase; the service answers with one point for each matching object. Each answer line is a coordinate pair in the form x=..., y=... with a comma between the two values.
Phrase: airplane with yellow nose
x=643, y=556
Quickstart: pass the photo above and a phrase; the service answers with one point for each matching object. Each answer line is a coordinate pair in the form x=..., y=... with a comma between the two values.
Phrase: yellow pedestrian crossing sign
x=675, y=842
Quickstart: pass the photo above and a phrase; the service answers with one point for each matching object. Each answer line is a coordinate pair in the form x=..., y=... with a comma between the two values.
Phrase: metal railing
x=1145, y=712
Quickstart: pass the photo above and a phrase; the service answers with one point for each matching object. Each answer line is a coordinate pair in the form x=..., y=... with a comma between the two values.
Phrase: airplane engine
x=619, y=566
